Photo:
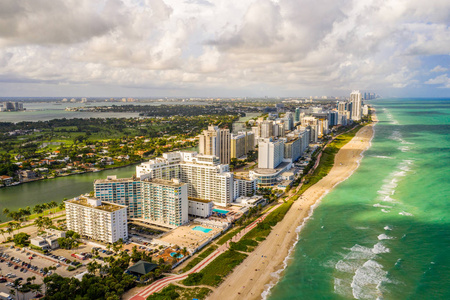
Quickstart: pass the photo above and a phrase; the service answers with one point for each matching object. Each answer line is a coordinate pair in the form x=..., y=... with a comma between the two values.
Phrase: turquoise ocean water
x=385, y=232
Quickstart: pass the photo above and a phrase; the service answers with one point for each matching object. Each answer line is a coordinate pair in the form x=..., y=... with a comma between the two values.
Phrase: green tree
x=21, y=239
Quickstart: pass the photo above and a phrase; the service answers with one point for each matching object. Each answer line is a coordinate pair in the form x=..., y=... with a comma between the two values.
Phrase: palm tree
x=38, y=209
x=39, y=222
x=5, y=211
x=62, y=205
x=54, y=205
x=2, y=232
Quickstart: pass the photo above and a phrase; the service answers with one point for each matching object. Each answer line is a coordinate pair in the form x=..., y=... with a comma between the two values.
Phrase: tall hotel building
x=123, y=191
x=207, y=179
x=103, y=221
x=242, y=143
x=215, y=141
x=355, y=99
x=165, y=202
x=270, y=153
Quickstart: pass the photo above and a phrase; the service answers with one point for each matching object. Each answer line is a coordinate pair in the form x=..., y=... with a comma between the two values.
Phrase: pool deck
x=186, y=236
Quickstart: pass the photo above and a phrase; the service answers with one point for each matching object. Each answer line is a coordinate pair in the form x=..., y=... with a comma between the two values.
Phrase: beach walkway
x=158, y=285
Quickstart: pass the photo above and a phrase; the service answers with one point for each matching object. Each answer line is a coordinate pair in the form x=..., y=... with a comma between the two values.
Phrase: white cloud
x=439, y=69
x=283, y=46
x=443, y=80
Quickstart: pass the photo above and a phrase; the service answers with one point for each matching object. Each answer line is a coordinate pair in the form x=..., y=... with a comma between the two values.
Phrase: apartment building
x=123, y=191
x=207, y=179
x=93, y=218
x=165, y=202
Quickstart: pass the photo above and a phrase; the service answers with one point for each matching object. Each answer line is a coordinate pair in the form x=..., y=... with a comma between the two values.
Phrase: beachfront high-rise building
x=123, y=191
x=355, y=99
x=165, y=202
x=207, y=179
x=270, y=153
x=102, y=221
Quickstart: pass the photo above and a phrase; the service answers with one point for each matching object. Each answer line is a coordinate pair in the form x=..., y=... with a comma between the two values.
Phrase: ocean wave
x=385, y=211
x=367, y=280
x=383, y=156
x=385, y=237
x=404, y=213
x=368, y=274
x=380, y=205
x=387, y=227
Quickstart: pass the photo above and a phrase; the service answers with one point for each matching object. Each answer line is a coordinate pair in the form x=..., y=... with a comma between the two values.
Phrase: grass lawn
x=177, y=292
x=214, y=273
x=200, y=257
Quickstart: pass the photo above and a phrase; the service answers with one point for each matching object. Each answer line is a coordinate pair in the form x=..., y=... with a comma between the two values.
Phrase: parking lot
x=25, y=263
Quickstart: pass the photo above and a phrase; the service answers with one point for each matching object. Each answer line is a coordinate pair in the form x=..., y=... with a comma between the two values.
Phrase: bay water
x=384, y=233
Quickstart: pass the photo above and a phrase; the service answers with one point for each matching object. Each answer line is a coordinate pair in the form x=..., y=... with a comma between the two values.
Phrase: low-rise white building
x=103, y=221
x=200, y=208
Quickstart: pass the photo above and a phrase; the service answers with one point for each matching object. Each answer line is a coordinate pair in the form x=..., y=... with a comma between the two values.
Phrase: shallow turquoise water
x=385, y=232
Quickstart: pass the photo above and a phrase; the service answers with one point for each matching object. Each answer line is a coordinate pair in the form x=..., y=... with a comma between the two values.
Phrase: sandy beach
x=251, y=278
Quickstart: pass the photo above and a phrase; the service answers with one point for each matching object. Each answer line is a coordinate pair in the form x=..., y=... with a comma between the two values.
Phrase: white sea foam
x=367, y=280
x=383, y=156
x=380, y=205
x=404, y=148
x=387, y=227
x=404, y=213
x=385, y=237
x=368, y=274
x=385, y=211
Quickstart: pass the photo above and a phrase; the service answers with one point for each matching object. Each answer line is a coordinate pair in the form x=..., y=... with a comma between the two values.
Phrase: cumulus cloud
x=439, y=69
x=280, y=47
x=442, y=80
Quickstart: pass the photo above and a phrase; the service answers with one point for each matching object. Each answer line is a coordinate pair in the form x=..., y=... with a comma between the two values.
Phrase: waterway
x=43, y=191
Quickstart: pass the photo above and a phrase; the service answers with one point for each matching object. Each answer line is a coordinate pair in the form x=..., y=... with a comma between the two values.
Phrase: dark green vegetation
x=214, y=273
x=48, y=148
x=179, y=110
x=107, y=282
x=176, y=292
x=200, y=257
x=70, y=241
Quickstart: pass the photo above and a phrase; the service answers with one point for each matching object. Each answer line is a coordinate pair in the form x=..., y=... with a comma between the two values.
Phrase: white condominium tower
x=270, y=153
x=355, y=99
x=165, y=202
x=215, y=141
x=207, y=179
x=103, y=221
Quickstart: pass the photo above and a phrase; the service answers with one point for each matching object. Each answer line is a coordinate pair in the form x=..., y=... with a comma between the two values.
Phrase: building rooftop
x=199, y=200
x=107, y=180
x=166, y=182
x=280, y=167
x=105, y=206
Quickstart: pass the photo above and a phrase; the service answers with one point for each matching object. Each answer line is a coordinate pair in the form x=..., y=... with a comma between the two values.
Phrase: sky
x=224, y=48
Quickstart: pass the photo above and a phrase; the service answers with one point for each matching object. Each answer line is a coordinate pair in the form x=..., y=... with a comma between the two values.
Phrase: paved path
x=158, y=285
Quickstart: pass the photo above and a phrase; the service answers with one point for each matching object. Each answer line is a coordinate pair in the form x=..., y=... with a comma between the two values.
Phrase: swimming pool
x=220, y=211
x=176, y=255
x=202, y=229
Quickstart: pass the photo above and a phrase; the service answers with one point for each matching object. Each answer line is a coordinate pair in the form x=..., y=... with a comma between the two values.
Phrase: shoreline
x=263, y=268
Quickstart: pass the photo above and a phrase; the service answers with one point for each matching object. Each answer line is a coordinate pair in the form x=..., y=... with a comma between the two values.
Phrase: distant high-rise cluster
x=12, y=106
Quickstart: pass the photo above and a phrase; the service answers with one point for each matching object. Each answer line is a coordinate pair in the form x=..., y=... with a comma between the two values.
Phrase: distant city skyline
x=229, y=48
